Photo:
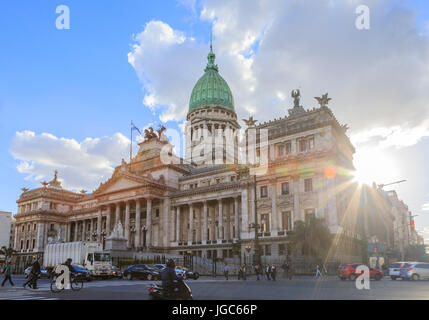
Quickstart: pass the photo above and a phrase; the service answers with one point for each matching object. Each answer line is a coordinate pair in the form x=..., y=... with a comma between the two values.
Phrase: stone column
x=76, y=227
x=213, y=224
x=99, y=222
x=236, y=218
x=228, y=221
x=191, y=223
x=137, y=241
x=39, y=239
x=165, y=222
x=91, y=228
x=149, y=222
x=15, y=245
x=204, y=228
x=220, y=220
x=117, y=213
x=108, y=220
x=83, y=230
x=127, y=224
x=274, y=216
x=296, y=190
x=244, y=214
x=178, y=223
x=68, y=232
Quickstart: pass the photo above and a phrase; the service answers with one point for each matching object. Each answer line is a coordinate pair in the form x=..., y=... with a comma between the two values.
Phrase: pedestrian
x=226, y=271
x=273, y=272
x=244, y=269
x=267, y=272
x=285, y=268
x=34, y=274
x=318, y=274
x=7, y=272
x=257, y=271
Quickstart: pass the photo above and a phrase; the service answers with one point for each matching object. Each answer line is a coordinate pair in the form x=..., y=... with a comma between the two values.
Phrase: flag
x=133, y=127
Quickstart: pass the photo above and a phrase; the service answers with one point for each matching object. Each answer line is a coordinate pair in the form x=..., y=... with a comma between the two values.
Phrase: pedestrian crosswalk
x=22, y=294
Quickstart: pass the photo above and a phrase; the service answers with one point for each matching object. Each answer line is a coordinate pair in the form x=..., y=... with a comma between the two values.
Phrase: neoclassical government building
x=205, y=203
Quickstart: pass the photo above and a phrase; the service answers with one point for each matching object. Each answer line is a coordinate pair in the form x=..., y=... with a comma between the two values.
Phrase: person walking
x=267, y=272
x=7, y=272
x=226, y=271
x=257, y=271
x=34, y=274
x=273, y=272
x=285, y=268
x=318, y=274
x=244, y=269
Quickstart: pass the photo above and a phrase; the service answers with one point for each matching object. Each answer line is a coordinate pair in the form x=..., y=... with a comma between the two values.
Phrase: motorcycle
x=179, y=291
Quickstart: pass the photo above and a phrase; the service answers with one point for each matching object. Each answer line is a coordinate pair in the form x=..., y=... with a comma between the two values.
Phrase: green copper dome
x=211, y=88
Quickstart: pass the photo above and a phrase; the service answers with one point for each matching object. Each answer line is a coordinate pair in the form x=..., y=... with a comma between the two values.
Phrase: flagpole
x=131, y=140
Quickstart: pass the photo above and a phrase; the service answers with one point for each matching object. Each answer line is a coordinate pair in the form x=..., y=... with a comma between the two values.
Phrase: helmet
x=171, y=263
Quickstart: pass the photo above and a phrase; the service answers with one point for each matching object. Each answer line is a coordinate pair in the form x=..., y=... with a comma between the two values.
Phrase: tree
x=312, y=239
x=7, y=252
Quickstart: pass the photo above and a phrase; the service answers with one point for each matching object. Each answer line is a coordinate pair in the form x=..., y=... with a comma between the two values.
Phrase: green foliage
x=312, y=239
x=416, y=253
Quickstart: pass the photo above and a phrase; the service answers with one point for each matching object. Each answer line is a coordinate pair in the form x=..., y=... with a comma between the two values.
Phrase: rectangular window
x=157, y=213
x=267, y=250
x=308, y=185
x=288, y=148
x=264, y=192
x=265, y=223
x=34, y=244
x=285, y=188
x=309, y=215
x=281, y=150
x=311, y=143
x=282, y=249
x=287, y=220
x=302, y=145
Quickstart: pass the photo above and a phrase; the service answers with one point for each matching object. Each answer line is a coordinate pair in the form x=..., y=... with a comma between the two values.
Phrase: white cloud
x=425, y=207
x=377, y=78
x=81, y=165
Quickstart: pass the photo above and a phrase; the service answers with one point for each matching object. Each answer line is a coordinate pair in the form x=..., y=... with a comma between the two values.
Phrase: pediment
x=122, y=183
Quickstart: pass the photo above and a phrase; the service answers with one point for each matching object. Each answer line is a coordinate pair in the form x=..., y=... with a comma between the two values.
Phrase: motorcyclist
x=169, y=276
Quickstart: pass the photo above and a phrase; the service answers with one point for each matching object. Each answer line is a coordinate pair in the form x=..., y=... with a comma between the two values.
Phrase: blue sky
x=79, y=83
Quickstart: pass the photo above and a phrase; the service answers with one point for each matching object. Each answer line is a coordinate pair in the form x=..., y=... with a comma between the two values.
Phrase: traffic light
x=375, y=249
x=412, y=225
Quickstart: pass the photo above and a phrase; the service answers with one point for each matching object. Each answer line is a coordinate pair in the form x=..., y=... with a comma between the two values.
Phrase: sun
x=374, y=165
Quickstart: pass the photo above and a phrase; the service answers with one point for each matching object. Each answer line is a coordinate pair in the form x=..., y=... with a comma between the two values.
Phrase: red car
x=349, y=272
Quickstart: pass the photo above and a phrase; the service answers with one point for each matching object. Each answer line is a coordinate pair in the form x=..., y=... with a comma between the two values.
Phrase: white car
x=395, y=269
x=415, y=271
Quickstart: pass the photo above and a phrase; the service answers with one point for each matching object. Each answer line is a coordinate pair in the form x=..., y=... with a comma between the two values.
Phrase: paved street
x=207, y=288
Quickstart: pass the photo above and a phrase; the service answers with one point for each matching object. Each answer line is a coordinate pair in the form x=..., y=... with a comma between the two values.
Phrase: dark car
x=82, y=273
x=141, y=271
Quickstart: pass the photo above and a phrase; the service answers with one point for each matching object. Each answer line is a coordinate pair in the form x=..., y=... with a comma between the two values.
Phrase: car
x=415, y=271
x=349, y=272
x=191, y=274
x=159, y=266
x=395, y=269
x=43, y=272
x=180, y=271
x=141, y=271
x=82, y=272
x=115, y=272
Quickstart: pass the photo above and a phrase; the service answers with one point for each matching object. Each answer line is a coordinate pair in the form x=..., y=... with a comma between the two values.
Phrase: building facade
x=5, y=227
x=206, y=204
